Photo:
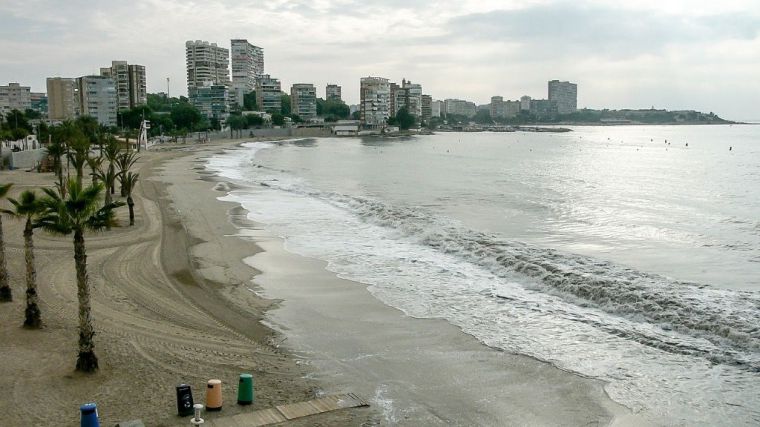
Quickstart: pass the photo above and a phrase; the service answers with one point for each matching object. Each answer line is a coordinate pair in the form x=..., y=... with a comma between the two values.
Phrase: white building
x=303, y=101
x=332, y=91
x=14, y=97
x=130, y=83
x=97, y=98
x=247, y=63
x=497, y=108
x=375, y=101
x=206, y=62
x=525, y=103
x=564, y=95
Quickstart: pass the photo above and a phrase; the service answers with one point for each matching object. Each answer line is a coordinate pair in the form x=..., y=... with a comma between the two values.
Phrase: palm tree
x=129, y=181
x=77, y=212
x=5, y=289
x=57, y=149
x=79, y=152
x=125, y=161
x=28, y=207
x=111, y=152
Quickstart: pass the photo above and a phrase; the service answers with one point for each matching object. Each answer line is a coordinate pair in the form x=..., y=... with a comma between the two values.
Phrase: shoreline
x=281, y=275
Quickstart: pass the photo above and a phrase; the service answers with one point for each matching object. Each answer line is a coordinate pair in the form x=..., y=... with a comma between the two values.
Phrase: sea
x=630, y=254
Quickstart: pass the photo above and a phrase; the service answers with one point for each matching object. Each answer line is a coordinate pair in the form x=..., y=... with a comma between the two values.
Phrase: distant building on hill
x=268, y=94
x=332, y=92
x=303, y=101
x=63, y=98
x=375, y=101
x=130, y=83
x=14, y=97
x=564, y=95
x=247, y=62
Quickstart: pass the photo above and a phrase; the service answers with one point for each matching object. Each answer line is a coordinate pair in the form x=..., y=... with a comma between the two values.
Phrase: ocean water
x=628, y=254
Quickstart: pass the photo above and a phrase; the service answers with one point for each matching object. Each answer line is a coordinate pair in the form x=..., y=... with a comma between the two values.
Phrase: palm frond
x=4, y=188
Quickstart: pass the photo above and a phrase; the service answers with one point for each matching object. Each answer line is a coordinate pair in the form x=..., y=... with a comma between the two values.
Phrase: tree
x=254, y=120
x=5, y=289
x=285, y=104
x=249, y=101
x=79, y=151
x=236, y=123
x=28, y=206
x=185, y=116
x=404, y=119
x=129, y=181
x=76, y=213
x=483, y=117
x=278, y=119
x=356, y=115
x=125, y=161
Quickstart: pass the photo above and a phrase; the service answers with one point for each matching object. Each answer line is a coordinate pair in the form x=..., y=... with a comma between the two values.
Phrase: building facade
x=130, y=83
x=512, y=108
x=525, y=103
x=436, y=108
x=268, y=94
x=63, y=98
x=543, y=109
x=496, y=107
x=206, y=62
x=375, y=101
x=14, y=97
x=39, y=102
x=564, y=95
x=332, y=92
x=413, y=93
x=247, y=63
x=97, y=98
x=211, y=100
x=426, y=108
x=303, y=101
x=460, y=107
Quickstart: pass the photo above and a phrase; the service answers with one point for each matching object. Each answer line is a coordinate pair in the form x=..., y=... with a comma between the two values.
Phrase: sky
x=674, y=54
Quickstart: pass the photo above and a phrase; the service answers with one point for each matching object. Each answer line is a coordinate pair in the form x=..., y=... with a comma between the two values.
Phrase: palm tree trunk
x=5, y=290
x=111, y=172
x=86, y=361
x=33, y=318
x=131, y=204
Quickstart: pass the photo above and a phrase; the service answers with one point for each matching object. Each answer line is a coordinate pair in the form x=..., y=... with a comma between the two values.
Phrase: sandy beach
x=175, y=302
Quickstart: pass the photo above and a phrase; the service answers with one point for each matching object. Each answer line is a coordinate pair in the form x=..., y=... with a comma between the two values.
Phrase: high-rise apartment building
x=268, y=93
x=303, y=101
x=247, y=63
x=14, y=97
x=564, y=95
x=39, y=102
x=130, y=83
x=525, y=103
x=375, y=101
x=436, y=108
x=511, y=108
x=97, y=98
x=332, y=92
x=426, y=108
x=497, y=107
x=63, y=98
x=413, y=92
x=206, y=62
x=211, y=100
x=460, y=107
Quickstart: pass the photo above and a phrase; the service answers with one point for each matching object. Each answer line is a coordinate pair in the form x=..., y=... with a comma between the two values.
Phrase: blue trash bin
x=89, y=415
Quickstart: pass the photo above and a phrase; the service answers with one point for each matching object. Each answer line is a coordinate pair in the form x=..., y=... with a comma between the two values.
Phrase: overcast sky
x=675, y=54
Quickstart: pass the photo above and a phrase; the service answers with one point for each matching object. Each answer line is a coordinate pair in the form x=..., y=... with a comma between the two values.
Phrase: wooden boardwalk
x=291, y=411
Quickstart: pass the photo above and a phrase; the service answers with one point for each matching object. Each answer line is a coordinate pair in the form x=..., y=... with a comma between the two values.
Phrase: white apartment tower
x=206, y=62
x=268, y=94
x=15, y=97
x=303, y=101
x=97, y=98
x=130, y=83
x=247, y=62
x=375, y=101
x=564, y=95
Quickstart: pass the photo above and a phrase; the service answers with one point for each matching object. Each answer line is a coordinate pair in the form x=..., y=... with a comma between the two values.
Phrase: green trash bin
x=245, y=389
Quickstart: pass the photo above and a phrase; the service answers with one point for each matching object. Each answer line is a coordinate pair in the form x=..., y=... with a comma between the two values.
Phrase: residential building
x=63, y=98
x=212, y=100
x=435, y=108
x=426, y=108
x=543, y=108
x=398, y=99
x=268, y=93
x=375, y=101
x=525, y=103
x=512, y=108
x=247, y=62
x=130, y=83
x=460, y=107
x=413, y=92
x=497, y=108
x=97, y=98
x=332, y=91
x=14, y=97
x=206, y=62
x=564, y=95
x=303, y=101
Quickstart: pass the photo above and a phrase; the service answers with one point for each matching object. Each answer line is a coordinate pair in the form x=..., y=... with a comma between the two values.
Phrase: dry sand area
x=168, y=307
